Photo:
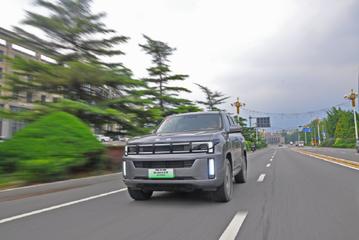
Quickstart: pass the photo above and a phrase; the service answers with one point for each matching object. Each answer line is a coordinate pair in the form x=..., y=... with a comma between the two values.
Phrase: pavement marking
x=232, y=229
x=58, y=182
x=5, y=220
x=261, y=177
x=335, y=160
x=268, y=165
x=271, y=159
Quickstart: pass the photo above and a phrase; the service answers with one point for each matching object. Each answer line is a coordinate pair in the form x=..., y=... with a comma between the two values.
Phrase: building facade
x=274, y=138
x=25, y=99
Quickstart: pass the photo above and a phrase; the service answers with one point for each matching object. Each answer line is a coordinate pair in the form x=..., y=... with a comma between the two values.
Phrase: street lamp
x=237, y=104
x=352, y=97
x=299, y=133
x=318, y=126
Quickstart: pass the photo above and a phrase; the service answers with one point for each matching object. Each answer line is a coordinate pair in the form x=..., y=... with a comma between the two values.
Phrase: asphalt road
x=292, y=197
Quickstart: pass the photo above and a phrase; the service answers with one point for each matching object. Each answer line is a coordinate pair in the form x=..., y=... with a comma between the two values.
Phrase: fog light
x=211, y=168
x=124, y=168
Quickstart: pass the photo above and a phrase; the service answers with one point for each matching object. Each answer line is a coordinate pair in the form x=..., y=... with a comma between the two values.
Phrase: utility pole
x=352, y=97
x=318, y=126
x=299, y=133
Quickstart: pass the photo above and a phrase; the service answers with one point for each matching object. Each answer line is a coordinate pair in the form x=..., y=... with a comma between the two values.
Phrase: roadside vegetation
x=335, y=130
x=51, y=148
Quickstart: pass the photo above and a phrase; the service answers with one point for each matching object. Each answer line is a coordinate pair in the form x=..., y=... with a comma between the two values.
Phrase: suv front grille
x=164, y=164
x=166, y=148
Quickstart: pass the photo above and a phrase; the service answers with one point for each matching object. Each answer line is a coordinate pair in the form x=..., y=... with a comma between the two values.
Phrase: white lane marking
x=232, y=229
x=59, y=206
x=58, y=182
x=268, y=165
x=271, y=159
x=261, y=177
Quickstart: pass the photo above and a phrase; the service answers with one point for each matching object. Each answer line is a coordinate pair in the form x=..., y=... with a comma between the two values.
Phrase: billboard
x=263, y=122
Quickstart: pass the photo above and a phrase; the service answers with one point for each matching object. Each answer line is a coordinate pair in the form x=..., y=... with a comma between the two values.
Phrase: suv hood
x=175, y=137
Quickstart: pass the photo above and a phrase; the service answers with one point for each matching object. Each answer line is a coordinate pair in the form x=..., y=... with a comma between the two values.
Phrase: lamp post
x=318, y=126
x=237, y=104
x=352, y=97
x=299, y=133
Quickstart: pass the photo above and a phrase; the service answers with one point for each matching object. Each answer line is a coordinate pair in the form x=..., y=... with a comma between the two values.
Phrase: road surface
x=288, y=196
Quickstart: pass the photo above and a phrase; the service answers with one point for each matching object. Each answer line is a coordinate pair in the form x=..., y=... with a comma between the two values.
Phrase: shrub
x=344, y=143
x=50, y=147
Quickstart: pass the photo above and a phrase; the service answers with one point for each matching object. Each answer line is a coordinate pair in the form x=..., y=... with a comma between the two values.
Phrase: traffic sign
x=308, y=130
x=263, y=122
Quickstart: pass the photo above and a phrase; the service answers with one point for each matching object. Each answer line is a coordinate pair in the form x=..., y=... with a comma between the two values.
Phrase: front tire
x=241, y=177
x=224, y=192
x=139, y=195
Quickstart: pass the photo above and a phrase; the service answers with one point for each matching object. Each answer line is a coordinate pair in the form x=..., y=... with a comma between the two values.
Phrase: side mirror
x=235, y=129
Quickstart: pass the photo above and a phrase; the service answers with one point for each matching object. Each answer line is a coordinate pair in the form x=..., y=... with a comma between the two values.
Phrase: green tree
x=213, y=98
x=161, y=79
x=331, y=121
x=344, y=131
x=72, y=31
x=96, y=91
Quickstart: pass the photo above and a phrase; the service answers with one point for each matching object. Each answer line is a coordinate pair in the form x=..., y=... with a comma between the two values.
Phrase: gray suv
x=187, y=152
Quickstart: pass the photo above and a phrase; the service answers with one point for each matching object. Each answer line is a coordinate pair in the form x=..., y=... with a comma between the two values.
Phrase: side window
x=234, y=123
x=226, y=121
x=230, y=120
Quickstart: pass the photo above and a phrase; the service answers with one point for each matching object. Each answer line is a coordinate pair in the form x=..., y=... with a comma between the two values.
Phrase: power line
x=295, y=114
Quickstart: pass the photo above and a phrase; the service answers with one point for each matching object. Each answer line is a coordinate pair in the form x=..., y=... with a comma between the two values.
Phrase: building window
x=29, y=97
x=43, y=99
x=1, y=55
x=16, y=125
x=0, y=73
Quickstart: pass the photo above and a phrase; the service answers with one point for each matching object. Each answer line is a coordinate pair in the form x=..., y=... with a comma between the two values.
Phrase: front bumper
x=191, y=178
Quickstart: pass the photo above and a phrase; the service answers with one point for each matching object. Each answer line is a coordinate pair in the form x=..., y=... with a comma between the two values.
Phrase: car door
x=236, y=139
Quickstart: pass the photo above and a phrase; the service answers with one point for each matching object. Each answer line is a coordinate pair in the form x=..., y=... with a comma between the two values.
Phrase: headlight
x=202, y=147
x=211, y=174
x=124, y=170
x=126, y=150
x=130, y=149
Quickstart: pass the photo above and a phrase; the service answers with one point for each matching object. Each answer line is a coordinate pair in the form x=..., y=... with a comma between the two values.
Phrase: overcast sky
x=275, y=55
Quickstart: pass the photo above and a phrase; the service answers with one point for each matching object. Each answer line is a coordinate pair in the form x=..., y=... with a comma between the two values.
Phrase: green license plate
x=161, y=173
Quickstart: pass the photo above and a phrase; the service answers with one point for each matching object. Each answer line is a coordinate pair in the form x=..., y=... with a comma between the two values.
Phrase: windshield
x=187, y=123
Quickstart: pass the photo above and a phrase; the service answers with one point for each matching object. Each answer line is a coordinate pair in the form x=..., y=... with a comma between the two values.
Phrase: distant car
x=300, y=144
x=120, y=138
x=291, y=143
x=280, y=145
x=253, y=147
x=103, y=138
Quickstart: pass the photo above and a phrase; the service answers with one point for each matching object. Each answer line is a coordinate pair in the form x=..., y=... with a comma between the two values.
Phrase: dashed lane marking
x=261, y=177
x=234, y=226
